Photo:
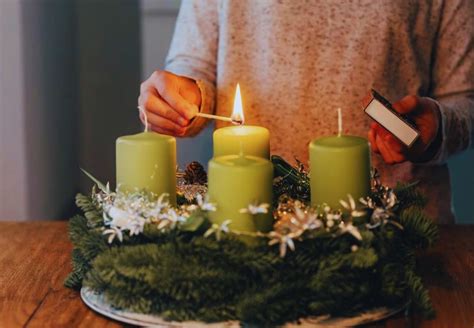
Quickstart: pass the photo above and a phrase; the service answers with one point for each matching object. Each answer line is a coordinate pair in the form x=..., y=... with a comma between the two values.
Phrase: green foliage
x=409, y=195
x=420, y=230
x=290, y=180
x=419, y=295
x=181, y=275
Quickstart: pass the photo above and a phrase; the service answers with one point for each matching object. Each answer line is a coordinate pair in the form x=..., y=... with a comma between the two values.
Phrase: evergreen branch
x=181, y=275
x=409, y=195
x=421, y=231
x=419, y=295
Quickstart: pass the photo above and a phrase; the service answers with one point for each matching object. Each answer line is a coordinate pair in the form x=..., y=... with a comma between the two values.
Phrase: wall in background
x=13, y=177
x=69, y=82
x=158, y=18
x=38, y=107
x=462, y=179
x=109, y=81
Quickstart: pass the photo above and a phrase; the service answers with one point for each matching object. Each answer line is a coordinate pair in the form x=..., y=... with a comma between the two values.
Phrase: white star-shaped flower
x=113, y=232
x=218, y=229
x=255, y=209
x=350, y=228
x=352, y=207
x=204, y=204
x=285, y=241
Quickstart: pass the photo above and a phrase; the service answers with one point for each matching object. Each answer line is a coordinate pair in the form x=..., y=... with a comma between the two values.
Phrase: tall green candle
x=246, y=139
x=339, y=165
x=147, y=160
x=235, y=182
x=250, y=140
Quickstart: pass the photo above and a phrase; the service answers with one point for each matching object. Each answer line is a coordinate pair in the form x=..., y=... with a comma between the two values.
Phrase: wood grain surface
x=35, y=259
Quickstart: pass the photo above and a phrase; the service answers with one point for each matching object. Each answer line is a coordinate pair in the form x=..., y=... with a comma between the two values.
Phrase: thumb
x=407, y=105
x=180, y=104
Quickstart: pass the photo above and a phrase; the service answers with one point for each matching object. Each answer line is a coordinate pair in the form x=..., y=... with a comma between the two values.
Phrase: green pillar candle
x=234, y=183
x=246, y=139
x=147, y=161
x=339, y=165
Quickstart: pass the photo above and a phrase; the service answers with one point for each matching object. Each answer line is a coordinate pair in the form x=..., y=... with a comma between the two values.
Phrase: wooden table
x=35, y=259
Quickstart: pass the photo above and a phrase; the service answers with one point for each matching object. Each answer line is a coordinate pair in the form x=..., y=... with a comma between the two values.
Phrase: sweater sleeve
x=193, y=52
x=453, y=78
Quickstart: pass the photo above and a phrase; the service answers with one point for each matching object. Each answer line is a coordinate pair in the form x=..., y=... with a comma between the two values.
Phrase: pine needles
x=181, y=275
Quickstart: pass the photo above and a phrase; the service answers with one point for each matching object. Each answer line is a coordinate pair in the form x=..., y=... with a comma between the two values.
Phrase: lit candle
x=340, y=165
x=234, y=183
x=249, y=140
x=147, y=160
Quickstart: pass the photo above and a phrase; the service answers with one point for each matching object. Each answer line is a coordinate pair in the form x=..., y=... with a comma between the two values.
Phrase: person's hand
x=425, y=114
x=171, y=102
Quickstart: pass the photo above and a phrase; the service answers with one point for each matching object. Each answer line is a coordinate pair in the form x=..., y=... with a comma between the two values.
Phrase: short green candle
x=339, y=165
x=246, y=139
x=147, y=161
x=234, y=183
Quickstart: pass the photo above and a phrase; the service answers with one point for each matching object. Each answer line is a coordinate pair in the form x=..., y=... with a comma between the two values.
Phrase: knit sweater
x=297, y=61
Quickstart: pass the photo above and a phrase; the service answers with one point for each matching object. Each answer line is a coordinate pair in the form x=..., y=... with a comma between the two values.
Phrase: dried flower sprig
x=294, y=220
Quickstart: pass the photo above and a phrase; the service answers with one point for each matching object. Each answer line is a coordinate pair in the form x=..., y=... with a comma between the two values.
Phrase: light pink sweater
x=297, y=61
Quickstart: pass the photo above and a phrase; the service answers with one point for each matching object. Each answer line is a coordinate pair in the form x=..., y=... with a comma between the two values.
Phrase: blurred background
x=70, y=72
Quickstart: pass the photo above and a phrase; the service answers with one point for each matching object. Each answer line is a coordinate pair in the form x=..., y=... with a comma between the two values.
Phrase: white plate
x=97, y=302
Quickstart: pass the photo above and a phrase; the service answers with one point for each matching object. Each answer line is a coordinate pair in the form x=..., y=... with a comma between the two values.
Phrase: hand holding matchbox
x=382, y=112
x=414, y=122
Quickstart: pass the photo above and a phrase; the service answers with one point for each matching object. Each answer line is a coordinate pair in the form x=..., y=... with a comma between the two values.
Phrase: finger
x=179, y=104
x=381, y=131
x=163, y=131
x=159, y=122
x=158, y=106
x=373, y=144
x=383, y=150
x=394, y=144
x=397, y=155
x=407, y=105
x=391, y=155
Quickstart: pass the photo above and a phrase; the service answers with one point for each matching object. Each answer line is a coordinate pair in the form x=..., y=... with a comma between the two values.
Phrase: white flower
x=255, y=209
x=350, y=228
x=171, y=218
x=332, y=215
x=285, y=242
x=307, y=220
x=218, y=229
x=351, y=206
x=118, y=217
x=113, y=232
x=136, y=226
x=354, y=248
x=162, y=201
x=204, y=204
x=368, y=202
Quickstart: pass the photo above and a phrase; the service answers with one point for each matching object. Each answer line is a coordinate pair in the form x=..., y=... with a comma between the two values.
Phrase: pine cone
x=195, y=174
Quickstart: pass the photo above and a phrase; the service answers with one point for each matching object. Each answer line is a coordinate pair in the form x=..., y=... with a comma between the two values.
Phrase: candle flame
x=238, y=112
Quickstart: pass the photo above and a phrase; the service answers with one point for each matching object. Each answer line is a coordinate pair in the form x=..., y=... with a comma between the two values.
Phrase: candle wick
x=145, y=116
x=339, y=122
